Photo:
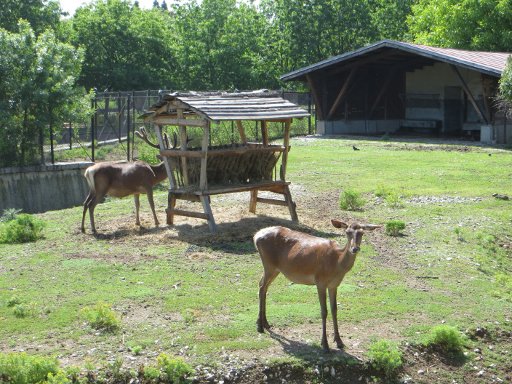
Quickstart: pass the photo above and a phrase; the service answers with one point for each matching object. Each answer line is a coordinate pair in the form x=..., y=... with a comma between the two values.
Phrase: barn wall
x=427, y=91
x=358, y=127
x=43, y=188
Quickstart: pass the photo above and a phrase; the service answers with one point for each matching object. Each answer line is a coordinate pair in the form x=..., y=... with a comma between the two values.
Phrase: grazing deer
x=310, y=260
x=120, y=179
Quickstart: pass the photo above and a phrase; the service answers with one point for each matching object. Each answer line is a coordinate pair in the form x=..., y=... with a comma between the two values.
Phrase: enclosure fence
x=116, y=117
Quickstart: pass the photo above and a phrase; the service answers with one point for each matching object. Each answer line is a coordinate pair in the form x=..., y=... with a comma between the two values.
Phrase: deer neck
x=160, y=172
x=346, y=259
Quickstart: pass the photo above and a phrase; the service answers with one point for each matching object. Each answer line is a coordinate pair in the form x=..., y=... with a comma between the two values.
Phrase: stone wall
x=43, y=188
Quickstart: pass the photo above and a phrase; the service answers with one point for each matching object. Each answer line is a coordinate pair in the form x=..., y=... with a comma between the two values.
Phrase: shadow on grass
x=237, y=237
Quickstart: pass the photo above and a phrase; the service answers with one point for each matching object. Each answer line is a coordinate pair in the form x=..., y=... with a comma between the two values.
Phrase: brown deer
x=120, y=179
x=310, y=260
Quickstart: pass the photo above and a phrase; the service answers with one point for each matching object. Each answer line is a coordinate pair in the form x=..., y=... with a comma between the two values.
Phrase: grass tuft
x=101, y=317
x=385, y=356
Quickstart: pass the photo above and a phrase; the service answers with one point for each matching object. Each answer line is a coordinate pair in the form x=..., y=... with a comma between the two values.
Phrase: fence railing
x=116, y=118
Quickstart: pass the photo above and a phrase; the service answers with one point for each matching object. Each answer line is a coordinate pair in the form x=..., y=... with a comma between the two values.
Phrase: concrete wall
x=358, y=127
x=43, y=188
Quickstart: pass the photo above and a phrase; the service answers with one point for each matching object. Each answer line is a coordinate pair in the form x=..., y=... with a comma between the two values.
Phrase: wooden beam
x=168, y=169
x=183, y=147
x=264, y=132
x=286, y=143
x=241, y=131
x=165, y=120
x=385, y=86
x=469, y=94
x=316, y=96
x=203, y=178
x=343, y=92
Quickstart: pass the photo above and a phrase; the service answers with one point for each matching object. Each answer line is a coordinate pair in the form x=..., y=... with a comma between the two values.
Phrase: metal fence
x=116, y=118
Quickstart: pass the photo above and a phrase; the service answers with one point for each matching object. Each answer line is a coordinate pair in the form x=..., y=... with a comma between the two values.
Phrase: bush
x=385, y=356
x=101, y=317
x=351, y=200
x=394, y=227
x=14, y=300
x=394, y=200
x=175, y=368
x=20, y=368
x=445, y=339
x=22, y=229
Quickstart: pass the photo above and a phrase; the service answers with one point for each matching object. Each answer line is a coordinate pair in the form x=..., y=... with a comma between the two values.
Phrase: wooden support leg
x=254, y=200
x=171, y=204
x=291, y=204
x=205, y=200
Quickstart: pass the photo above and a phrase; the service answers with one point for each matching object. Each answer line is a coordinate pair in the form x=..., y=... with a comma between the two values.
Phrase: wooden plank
x=286, y=143
x=208, y=212
x=272, y=201
x=168, y=168
x=183, y=147
x=343, y=92
x=254, y=200
x=179, y=153
x=383, y=90
x=265, y=186
x=291, y=204
x=469, y=94
x=264, y=132
x=197, y=215
x=241, y=131
x=203, y=178
x=164, y=120
x=316, y=96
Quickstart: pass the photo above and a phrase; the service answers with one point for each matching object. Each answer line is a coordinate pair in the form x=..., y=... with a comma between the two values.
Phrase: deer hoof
x=340, y=344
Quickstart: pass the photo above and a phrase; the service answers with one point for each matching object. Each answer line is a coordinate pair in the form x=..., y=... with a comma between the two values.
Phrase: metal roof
x=491, y=63
x=257, y=105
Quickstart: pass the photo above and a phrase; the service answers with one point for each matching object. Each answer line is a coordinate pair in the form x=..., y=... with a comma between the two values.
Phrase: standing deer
x=120, y=179
x=310, y=260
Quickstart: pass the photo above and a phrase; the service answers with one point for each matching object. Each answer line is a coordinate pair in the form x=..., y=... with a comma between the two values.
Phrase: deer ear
x=370, y=227
x=339, y=224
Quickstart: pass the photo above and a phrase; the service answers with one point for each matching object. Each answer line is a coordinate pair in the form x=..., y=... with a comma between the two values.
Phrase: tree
x=37, y=92
x=40, y=14
x=505, y=90
x=125, y=47
x=466, y=24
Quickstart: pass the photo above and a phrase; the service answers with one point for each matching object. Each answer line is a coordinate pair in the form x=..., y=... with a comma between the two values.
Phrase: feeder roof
x=257, y=105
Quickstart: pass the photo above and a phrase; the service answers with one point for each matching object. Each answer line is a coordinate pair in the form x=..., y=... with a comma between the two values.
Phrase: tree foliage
x=37, y=92
x=40, y=14
x=506, y=86
x=466, y=24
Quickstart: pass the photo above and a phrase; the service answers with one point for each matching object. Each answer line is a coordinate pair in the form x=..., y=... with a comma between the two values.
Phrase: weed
x=394, y=227
x=20, y=368
x=14, y=300
x=458, y=232
x=101, y=317
x=136, y=350
x=24, y=310
x=445, y=339
x=22, y=229
x=175, y=368
x=59, y=378
x=382, y=191
x=151, y=373
x=9, y=214
x=385, y=356
x=351, y=200
x=394, y=200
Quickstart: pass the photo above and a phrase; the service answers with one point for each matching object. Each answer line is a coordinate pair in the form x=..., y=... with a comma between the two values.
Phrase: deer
x=309, y=260
x=121, y=179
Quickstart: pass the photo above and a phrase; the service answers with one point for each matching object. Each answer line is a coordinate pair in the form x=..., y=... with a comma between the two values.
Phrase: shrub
x=22, y=229
x=14, y=300
x=9, y=214
x=394, y=227
x=20, y=368
x=24, y=310
x=394, y=200
x=385, y=356
x=175, y=368
x=59, y=378
x=101, y=317
x=351, y=200
x=445, y=339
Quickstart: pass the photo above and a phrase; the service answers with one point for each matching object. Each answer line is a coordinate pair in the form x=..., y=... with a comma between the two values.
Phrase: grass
x=194, y=295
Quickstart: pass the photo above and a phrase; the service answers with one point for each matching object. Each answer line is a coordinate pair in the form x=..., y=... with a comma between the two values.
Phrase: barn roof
x=390, y=51
x=257, y=105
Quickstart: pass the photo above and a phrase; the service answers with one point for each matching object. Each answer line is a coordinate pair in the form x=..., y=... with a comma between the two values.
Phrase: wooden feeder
x=197, y=173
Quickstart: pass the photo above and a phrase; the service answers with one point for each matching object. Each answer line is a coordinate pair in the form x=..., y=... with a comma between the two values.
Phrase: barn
x=396, y=87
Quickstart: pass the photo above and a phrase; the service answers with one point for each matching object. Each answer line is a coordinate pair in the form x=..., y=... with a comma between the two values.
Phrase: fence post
x=70, y=135
x=52, y=155
x=94, y=104
x=309, y=111
x=128, y=122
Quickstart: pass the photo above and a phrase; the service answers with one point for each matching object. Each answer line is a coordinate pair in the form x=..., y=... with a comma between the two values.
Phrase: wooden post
x=183, y=147
x=291, y=204
x=203, y=178
x=170, y=174
x=469, y=94
x=286, y=144
x=342, y=93
x=264, y=133
x=254, y=201
x=241, y=131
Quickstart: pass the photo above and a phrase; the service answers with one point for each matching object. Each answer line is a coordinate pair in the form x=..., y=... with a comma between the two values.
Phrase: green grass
x=168, y=301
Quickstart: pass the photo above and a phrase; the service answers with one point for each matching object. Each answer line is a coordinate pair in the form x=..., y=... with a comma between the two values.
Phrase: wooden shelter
x=397, y=87
x=197, y=173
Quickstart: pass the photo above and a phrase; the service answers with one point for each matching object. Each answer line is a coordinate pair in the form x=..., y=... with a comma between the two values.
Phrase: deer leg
x=92, y=205
x=137, y=207
x=334, y=314
x=152, y=205
x=265, y=282
x=87, y=202
x=322, y=296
